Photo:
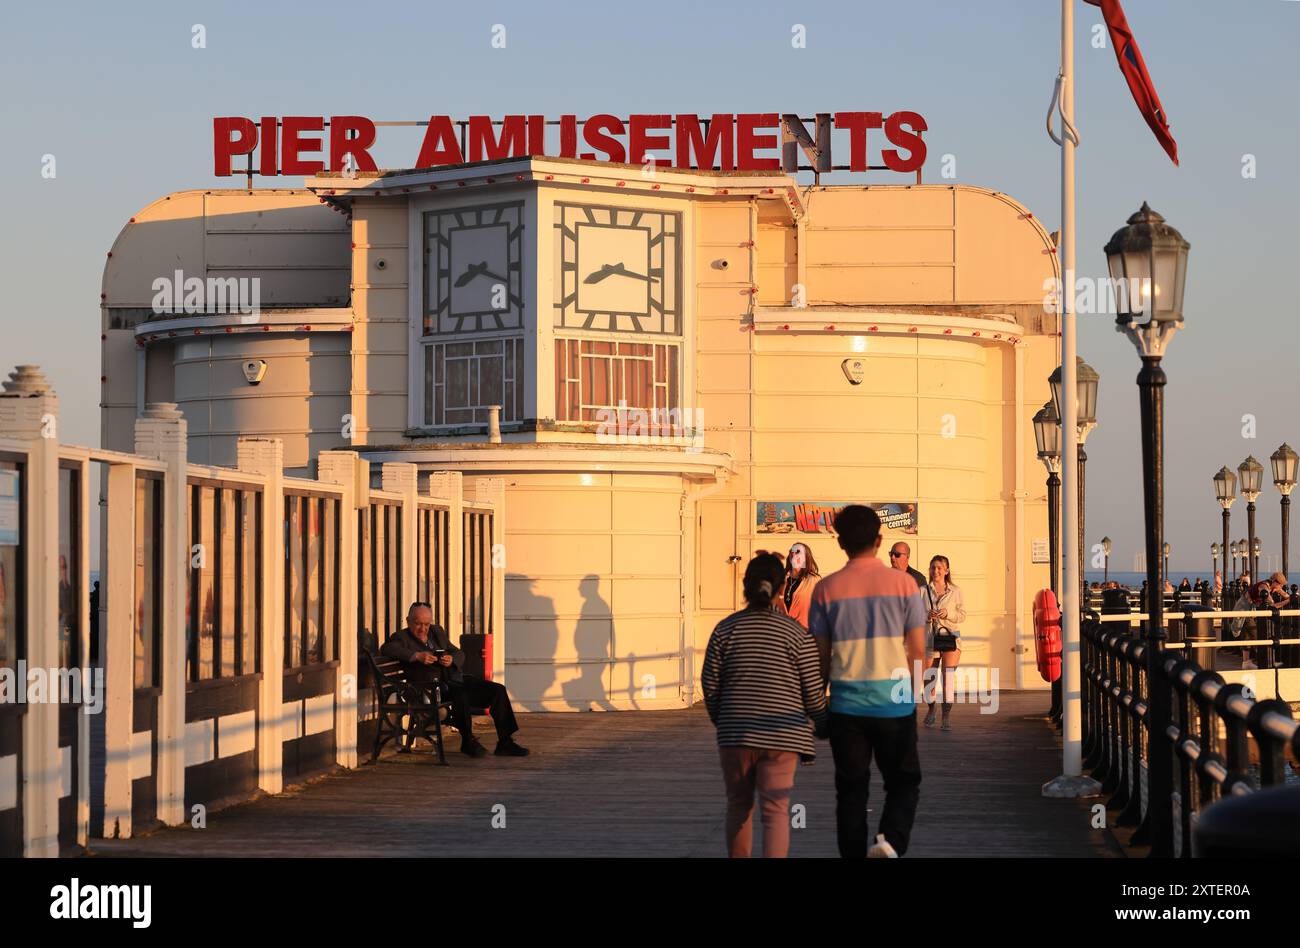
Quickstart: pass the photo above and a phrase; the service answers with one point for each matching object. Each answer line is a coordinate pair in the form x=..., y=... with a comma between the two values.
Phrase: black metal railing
x=1224, y=741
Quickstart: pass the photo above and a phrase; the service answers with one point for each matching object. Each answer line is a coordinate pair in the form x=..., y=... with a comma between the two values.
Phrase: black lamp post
x=1251, y=473
x=1105, y=552
x=1225, y=491
x=1285, y=461
x=1047, y=433
x=1166, y=553
x=1086, y=380
x=1149, y=259
x=1255, y=547
x=1214, y=561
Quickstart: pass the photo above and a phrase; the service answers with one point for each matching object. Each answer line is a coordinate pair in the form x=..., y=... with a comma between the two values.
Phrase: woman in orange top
x=801, y=576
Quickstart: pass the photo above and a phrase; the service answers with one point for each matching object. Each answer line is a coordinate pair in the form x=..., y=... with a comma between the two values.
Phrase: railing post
x=1085, y=687
x=493, y=490
x=161, y=433
x=1272, y=752
x=29, y=412
x=265, y=456
x=1207, y=735
x=1104, y=681
x=1183, y=708
x=1112, y=779
x=346, y=468
x=1131, y=752
x=1235, y=746
x=1120, y=779
x=1273, y=652
x=118, y=597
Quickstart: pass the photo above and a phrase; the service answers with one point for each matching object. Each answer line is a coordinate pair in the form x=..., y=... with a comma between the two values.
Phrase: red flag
x=1135, y=71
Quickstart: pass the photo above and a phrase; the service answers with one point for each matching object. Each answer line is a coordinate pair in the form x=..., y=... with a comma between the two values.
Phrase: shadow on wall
x=589, y=676
x=543, y=635
x=593, y=634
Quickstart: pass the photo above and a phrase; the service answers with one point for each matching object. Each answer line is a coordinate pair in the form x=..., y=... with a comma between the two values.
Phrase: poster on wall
x=797, y=516
x=8, y=508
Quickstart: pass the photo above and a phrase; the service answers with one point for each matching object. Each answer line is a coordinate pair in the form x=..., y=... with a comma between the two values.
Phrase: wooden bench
x=422, y=706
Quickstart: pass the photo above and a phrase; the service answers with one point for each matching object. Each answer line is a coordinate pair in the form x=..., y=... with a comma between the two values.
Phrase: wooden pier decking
x=645, y=784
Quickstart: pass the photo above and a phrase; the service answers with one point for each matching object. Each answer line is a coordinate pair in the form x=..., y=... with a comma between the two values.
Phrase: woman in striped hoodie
x=765, y=695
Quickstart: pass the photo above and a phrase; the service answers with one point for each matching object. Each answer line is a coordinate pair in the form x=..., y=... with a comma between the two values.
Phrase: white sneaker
x=881, y=849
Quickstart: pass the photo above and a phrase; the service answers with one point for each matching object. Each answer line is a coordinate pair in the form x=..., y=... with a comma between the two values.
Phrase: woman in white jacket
x=945, y=612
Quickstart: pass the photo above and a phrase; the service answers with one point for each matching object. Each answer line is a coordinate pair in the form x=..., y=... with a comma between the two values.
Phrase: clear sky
x=118, y=94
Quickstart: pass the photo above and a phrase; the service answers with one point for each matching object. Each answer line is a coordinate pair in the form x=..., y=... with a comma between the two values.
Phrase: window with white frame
x=471, y=346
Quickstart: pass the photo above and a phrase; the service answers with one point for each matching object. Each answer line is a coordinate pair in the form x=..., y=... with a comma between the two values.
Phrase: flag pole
x=1071, y=782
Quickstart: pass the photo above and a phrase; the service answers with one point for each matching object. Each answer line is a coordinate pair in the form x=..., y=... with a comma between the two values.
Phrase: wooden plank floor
x=645, y=784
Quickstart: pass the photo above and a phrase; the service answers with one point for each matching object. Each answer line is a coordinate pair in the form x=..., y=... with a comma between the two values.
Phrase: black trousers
x=892, y=741
x=473, y=693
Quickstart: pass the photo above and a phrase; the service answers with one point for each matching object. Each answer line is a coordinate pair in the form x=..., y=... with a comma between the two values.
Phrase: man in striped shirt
x=869, y=626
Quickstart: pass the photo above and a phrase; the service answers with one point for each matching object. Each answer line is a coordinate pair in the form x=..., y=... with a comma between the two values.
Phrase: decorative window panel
x=462, y=379
x=592, y=375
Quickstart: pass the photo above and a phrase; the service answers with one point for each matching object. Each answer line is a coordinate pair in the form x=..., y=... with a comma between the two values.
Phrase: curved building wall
x=940, y=418
x=281, y=249
x=303, y=399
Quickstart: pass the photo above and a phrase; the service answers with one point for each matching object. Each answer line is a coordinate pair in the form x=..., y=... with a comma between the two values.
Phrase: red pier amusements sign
x=763, y=141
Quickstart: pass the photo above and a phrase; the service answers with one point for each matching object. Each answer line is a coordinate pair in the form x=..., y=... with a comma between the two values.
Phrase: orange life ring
x=1047, y=634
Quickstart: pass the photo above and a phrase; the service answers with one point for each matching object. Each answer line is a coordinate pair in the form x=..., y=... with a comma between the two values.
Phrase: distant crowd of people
x=769, y=668
x=1264, y=594
x=1241, y=594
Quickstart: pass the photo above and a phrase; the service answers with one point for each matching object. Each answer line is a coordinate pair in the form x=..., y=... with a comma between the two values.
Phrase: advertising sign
x=818, y=516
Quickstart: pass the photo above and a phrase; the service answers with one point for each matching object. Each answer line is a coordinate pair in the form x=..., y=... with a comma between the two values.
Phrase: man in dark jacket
x=900, y=557
x=427, y=652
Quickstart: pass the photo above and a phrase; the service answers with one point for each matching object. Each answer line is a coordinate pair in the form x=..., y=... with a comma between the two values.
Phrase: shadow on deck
x=645, y=784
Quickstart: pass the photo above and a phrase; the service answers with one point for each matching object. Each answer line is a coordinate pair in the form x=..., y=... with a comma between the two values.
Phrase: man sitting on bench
x=427, y=652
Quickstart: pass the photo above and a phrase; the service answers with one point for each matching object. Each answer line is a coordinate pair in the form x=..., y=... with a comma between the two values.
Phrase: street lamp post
x=1151, y=257
x=1214, y=562
x=1086, y=381
x=1251, y=473
x=1255, y=547
x=1166, y=553
x=1047, y=433
x=1285, y=461
x=1225, y=491
x=1105, y=552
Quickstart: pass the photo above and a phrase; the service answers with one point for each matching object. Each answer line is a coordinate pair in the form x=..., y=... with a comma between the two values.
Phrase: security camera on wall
x=254, y=370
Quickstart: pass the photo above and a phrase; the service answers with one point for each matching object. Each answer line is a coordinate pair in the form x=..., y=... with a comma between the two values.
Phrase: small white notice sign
x=1039, y=551
x=8, y=508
